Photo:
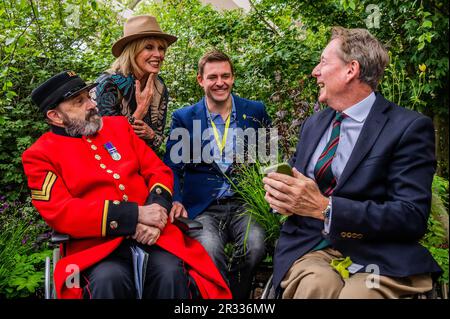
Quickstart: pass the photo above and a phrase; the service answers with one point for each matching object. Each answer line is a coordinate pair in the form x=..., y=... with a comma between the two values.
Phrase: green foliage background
x=274, y=47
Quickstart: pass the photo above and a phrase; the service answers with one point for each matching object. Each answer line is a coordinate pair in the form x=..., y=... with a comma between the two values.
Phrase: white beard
x=90, y=126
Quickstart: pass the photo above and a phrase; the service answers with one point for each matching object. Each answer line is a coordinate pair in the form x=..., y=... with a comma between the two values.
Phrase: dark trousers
x=225, y=221
x=113, y=278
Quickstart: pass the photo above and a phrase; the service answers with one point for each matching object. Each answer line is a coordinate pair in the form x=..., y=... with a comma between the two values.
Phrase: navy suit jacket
x=382, y=200
x=197, y=183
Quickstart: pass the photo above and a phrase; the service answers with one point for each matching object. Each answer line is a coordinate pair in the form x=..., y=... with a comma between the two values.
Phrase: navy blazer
x=382, y=200
x=197, y=183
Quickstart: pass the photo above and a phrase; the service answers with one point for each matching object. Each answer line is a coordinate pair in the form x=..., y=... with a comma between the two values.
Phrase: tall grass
x=249, y=186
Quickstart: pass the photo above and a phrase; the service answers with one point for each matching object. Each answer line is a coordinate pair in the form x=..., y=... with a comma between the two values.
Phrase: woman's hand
x=143, y=130
x=144, y=96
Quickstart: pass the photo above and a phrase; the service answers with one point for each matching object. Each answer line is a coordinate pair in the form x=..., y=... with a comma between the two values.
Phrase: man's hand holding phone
x=281, y=168
x=290, y=192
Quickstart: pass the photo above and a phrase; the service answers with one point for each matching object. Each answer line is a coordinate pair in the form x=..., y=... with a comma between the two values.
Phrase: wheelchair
x=184, y=224
x=439, y=291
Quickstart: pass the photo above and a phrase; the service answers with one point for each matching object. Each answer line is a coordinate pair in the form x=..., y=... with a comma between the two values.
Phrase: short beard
x=91, y=125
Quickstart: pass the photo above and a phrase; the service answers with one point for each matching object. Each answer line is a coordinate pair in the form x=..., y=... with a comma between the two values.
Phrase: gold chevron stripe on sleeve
x=44, y=192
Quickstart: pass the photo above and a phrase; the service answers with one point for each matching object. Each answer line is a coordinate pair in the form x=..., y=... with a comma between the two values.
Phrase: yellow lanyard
x=225, y=133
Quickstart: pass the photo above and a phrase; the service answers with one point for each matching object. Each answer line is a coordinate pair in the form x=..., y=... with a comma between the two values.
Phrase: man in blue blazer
x=360, y=193
x=201, y=150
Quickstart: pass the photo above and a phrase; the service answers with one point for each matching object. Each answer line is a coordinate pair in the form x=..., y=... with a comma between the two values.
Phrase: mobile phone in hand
x=282, y=168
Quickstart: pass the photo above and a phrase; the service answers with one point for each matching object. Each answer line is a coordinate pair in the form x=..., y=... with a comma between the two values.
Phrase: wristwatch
x=326, y=211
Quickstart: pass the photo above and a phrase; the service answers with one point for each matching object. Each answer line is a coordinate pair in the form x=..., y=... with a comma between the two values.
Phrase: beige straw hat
x=140, y=27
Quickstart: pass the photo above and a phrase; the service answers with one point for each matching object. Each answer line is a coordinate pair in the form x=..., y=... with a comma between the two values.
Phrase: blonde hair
x=126, y=62
x=360, y=45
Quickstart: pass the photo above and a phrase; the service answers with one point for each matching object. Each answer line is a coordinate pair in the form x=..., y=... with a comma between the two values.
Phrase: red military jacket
x=91, y=187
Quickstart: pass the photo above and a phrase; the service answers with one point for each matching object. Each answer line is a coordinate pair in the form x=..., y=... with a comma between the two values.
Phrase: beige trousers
x=312, y=277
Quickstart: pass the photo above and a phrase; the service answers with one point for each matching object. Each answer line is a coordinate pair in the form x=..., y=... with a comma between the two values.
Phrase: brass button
x=125, y=197
x=116, y=202
x=103, y=166
x=108, y=171
x=121, y=187
x=89, y=140
x=158, y=191
x=349, y=235
x=354, y=235
x=343, y=234
x=97, y=157
x=116, y=176
x=359, y=236
x=94, y=147
x=113, y=224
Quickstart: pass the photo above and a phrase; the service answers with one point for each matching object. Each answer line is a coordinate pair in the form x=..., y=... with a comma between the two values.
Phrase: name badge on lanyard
x=112, y=151
x=221, y=145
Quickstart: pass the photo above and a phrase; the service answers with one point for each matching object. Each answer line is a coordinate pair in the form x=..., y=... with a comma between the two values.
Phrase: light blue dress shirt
x=224, y=160
x=351, y=127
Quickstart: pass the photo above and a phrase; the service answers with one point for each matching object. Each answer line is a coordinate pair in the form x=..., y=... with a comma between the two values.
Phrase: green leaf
x=427, y=24
x=11, y=94
x=352, y=5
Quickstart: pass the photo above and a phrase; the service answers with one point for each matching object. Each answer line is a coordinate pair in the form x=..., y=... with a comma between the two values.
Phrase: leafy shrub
x=436, y=238
x=22, y=250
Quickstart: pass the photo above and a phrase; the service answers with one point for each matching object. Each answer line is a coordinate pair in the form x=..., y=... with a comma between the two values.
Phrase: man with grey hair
x=359, y=198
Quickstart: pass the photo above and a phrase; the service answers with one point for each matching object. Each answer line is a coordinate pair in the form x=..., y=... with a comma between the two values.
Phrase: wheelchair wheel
x=48, y=278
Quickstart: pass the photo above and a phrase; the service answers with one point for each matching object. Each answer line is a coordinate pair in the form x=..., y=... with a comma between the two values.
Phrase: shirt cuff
x=327, y=221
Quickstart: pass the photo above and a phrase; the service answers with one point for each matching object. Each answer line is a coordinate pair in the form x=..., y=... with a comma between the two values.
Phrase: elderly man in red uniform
x=94, y=179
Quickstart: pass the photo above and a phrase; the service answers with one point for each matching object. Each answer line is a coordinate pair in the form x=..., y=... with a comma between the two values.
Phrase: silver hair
x=360, y=45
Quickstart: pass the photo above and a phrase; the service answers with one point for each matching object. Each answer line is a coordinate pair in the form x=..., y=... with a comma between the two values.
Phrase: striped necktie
x=322, y=171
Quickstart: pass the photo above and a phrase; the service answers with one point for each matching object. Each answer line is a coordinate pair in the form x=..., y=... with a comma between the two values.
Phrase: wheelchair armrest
x=58, y=238
x=186, y=224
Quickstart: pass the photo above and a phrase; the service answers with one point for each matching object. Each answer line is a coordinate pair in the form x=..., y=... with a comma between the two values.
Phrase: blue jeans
x=225, y=221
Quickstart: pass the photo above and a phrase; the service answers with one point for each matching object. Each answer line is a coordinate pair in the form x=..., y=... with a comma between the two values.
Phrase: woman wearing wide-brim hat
x=132, y=86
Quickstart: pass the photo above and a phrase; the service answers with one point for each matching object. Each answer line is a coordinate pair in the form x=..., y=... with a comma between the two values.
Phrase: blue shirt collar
x=360, y=110
x=214, y=116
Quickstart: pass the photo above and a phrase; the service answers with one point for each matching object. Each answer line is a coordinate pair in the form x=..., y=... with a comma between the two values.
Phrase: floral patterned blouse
x=115, y=95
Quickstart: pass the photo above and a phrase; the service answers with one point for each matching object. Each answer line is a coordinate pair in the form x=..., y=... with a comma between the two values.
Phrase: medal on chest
x=112, y=151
